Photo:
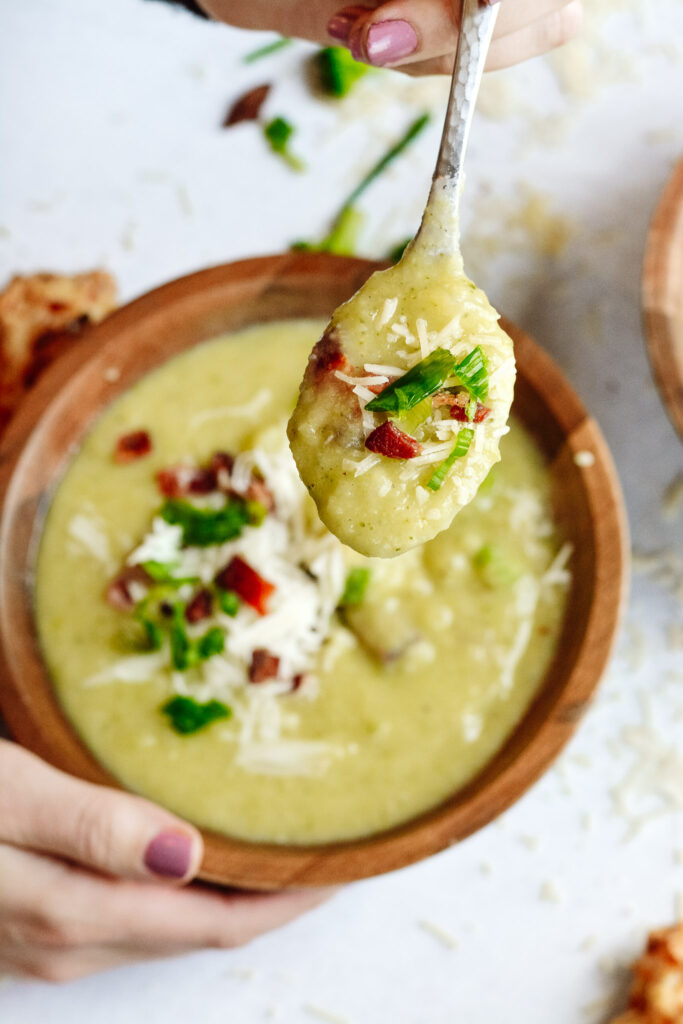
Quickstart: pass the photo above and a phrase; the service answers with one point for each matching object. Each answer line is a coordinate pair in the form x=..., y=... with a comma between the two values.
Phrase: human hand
x=90, y=878
x=417, y=36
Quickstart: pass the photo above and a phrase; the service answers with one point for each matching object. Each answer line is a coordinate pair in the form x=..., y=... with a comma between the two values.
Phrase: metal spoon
x=440, y=233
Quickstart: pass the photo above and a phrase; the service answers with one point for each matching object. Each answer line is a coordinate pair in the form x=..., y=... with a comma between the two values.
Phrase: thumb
x=104, y=829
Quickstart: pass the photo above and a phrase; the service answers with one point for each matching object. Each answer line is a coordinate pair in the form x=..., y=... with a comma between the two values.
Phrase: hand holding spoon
x=408, y=392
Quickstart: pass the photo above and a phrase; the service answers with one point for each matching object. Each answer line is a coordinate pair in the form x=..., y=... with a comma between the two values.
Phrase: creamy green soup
x=390, y=471
x=395, y=681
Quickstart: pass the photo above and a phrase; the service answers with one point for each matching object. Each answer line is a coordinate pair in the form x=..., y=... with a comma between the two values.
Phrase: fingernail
x=389, y=41
x=169, y=855
x=339, y=26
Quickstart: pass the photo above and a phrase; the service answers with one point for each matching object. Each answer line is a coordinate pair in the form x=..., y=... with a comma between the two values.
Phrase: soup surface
x=344, y=696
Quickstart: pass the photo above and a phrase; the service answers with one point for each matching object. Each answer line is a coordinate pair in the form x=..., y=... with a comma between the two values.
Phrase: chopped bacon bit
x=221, y=466
x=327, y=356
x=239, y=576
x=200, y=607
x=118, y=593
x=297, y=681
x=178, y=481
x=264, y=665
x=247, y=107
x=259, y=491
x=458, y=406
x=132, y=446
x=388, y=440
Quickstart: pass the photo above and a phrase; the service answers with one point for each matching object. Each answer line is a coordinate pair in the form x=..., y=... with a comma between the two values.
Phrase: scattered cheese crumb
x=550, y=893
x=439, y=933
x=322, y=1014
x=584, y=458
x=112, y=374
x=388, y=311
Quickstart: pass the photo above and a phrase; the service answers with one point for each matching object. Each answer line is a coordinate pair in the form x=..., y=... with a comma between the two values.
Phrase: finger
x=110, y=831
x=401, y=32
x=58, y=921
x=301, y=18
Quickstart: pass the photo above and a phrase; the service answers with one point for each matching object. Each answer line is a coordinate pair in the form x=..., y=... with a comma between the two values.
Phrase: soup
x=221, y=653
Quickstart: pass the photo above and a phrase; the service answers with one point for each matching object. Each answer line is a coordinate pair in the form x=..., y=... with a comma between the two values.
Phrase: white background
x=111, y=154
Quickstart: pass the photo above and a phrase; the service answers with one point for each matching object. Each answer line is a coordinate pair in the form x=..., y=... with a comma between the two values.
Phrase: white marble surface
x=112, y=156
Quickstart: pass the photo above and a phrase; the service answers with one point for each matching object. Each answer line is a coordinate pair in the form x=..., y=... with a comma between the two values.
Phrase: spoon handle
x=440, y=223
x=476, y=29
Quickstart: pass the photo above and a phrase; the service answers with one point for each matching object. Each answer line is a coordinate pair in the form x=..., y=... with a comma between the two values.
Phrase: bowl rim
x=26, y=697
x=662, y=296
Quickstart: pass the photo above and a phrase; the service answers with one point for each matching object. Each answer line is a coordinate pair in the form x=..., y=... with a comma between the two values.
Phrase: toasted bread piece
x=40, y=315
x=657, y=992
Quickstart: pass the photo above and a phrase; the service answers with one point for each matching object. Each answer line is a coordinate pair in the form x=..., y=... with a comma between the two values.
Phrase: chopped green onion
x=462, y=446
x=278, y=133
x=421, y=381
x=416, y=416
x=162, y=572
x=183, y=652
x=186, y=715
x=342, y=239
x=257, y=512
x=265, y=51
x=154, y=634
x=213, y=642
x=413, y=131
x=473, y=375
x=494, y=567
x=341, y=218
x=203, y=527
x=339, y=72
x=228, y=601
x=356, y=584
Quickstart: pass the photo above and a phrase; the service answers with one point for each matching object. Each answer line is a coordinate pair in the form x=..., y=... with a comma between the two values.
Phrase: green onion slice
x=473, y=374
x=356, y=584
x=186, y=715
x=421, y=381
x=278, y=133
x=203, y=526
x=462, y=446
x=265, y=51
x=339, y=72
x=415, y=417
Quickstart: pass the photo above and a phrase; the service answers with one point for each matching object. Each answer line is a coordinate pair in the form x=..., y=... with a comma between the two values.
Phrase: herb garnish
x=343, y=237
x=187, y=653
x=473, y=374
x=228, y=601
x=203, y=527
x=187, y=715
x=278, y=133
x=339, y=72
x=462, y=446
x=356, y=584
x=265, y=51
x=494, y=568
x=344, y=212
x=421, y=381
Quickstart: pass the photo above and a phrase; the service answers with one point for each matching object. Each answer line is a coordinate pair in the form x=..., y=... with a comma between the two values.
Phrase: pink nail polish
x=339, y=26
x=390, y=41
x=169, y=855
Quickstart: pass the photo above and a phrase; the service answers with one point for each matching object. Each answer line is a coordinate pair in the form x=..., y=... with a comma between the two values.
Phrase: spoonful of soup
x=408, y=392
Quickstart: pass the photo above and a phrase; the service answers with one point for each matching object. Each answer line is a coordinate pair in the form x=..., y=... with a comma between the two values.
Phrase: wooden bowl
x=59, y=412
x=663, y=297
